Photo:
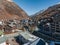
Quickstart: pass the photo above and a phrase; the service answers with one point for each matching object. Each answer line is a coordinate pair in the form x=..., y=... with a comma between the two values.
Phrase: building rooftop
x=28, y=36
x=3, y=39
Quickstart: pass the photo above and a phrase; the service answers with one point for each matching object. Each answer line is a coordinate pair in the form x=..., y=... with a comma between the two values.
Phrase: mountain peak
x=10, y=11
x=58, y=3
x=9, y=0
x=51, y=11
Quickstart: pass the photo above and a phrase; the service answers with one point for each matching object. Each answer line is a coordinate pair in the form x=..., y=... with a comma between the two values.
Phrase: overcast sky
x=33, y=6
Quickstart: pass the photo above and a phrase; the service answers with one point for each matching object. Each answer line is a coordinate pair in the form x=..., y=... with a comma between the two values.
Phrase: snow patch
x=58, y=3
x=9, y=0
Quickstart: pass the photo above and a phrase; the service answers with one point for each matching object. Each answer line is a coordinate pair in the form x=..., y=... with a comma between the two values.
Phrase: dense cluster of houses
x=48, y=22
x=50, y=26
x=11, y=25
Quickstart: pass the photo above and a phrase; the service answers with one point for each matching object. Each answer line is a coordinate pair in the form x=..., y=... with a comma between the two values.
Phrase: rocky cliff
x=9, y=10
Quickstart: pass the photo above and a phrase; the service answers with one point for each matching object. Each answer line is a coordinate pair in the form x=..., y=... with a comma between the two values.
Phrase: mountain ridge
x=50, y=11
x=10, y=10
